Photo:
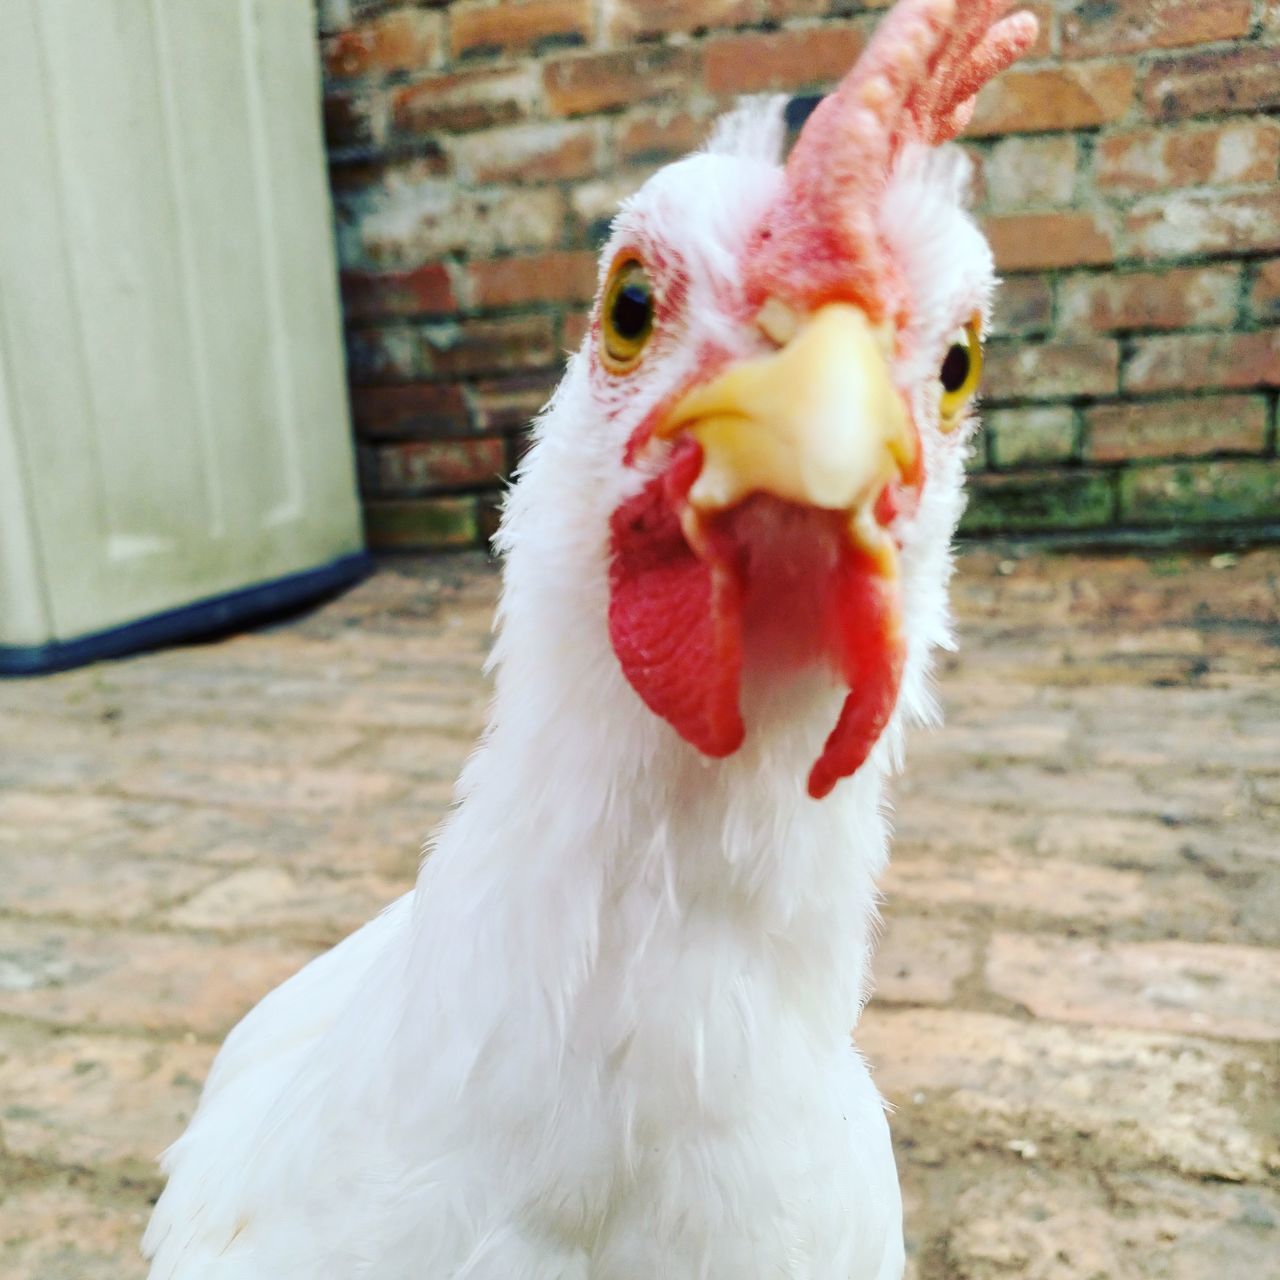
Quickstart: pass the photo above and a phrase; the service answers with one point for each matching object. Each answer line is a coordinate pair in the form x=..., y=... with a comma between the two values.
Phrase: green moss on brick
x=424, y=524
x=1038, y=502
x=1201, y=492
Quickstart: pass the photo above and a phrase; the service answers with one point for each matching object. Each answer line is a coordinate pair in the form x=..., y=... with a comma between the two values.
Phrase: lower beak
x=818, y=422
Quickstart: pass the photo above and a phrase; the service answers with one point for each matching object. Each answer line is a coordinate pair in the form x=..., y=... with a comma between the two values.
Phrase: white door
x=170, y=351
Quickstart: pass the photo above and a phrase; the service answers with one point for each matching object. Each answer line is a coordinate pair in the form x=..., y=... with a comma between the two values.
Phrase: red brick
x=643, y=19
x=463, y=100
x=1184, y=298
x=658, y=134
x=1176, y=428
x=1143, y=160
x=1047, y=99
x=412, y=409
x=782, y=60
x=354, y=120
x=1021, y=370
x=524, y=153
x=1188, y=362
x=1090, y=29
x=1034, y=241
x=1265, y=295
x=1024, y=304
x=1038, y=501
x=373, y=296
x=1191, y=223
x=403, y=40
x=533, y=25
x=487, y=346
x=608, y=81
x=545, y=277
x=1221, y=82
x=510, y=404
x=417, y=467
x=577, y=324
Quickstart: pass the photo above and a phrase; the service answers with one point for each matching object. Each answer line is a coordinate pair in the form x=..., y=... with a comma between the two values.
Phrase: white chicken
x=606, y=1037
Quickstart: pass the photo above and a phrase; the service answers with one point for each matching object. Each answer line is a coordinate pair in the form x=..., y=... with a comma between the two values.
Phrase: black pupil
x=633, y=310
x=955, y=368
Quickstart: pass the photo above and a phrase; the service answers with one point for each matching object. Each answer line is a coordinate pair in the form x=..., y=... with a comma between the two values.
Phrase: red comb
x=915, y=82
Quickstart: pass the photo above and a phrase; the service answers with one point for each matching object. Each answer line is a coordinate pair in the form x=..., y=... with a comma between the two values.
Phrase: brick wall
x=1127, y=175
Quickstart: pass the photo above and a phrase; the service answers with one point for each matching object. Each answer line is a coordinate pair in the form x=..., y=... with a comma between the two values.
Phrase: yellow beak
x=818, y=422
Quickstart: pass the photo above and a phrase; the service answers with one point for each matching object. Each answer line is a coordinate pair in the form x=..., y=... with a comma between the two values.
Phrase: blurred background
x=207, y=202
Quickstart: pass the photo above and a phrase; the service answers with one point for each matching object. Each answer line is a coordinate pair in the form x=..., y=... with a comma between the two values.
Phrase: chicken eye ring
x=626, y=315
x=960, y=374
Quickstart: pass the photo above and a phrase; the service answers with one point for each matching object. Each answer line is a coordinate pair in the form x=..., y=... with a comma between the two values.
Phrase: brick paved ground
x=1078, y=1015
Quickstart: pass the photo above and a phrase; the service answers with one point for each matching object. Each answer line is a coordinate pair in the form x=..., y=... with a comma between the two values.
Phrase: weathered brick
x=518, y=25
x=1142, y=160
x=413, y=409
x=464, y=100
x=1192, y=988
x=577, y=324
x=1264, y=297
x=428, y=220
x=1221, y=82
x=354, y=120
x=368, y=295
x=1028, y=172
x=464, y=348
x=547, y=277
x=1189, y=223
x=1035, y=241
x=509, y=404
x=1024, y=305
x=1018, y=437
x=413, y=468
x=524, y=153
x=1037, y=501
x=384, y=354
x=1184, y=298
x=1176, y=428
x=1192, y=361
x=1047, y=99
x=1090, y=29
x=402, y=40
x=770, y=61
x=1200, y=493
x=643, y=19
x=598, y=82
x=1051, y=370
x=659, y=134
x=422, y=524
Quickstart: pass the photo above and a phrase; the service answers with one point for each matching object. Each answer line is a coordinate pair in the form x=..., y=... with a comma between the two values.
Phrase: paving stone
x=56, y=1231
x=76, y=976
x=1084, y=1096
x=920, y=961
x=82, y=1100
x=1045, y=1226
x=1197, y=988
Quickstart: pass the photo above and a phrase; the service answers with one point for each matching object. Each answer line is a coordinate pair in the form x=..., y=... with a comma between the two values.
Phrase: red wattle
x=866, y=641
x=675, y=615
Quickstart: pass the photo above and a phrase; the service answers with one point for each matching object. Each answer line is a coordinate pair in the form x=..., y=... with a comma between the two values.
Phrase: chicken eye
x=626, y=320
x=960, y=374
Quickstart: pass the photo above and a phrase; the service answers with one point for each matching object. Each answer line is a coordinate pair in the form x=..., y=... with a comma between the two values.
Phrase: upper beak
x=818, y=422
